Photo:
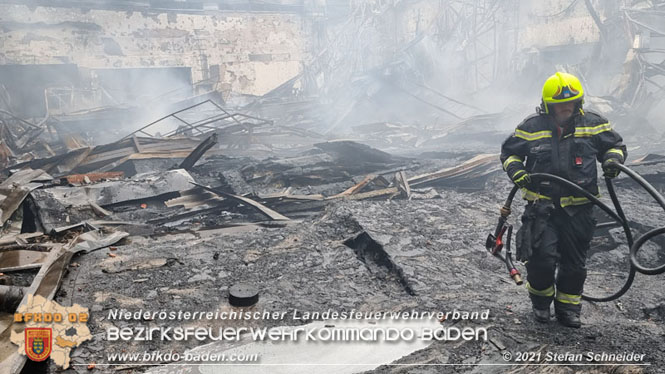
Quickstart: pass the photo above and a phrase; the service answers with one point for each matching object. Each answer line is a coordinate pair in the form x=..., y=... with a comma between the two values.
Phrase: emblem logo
x=38, y=343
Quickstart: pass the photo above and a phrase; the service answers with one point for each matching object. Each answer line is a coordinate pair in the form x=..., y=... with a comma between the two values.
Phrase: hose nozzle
x=517, y=277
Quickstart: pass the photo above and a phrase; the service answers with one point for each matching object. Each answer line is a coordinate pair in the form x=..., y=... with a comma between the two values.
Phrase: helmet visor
x=566, y=93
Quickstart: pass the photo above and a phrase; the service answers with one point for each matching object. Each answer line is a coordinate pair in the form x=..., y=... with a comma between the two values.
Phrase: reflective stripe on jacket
x=573, y=156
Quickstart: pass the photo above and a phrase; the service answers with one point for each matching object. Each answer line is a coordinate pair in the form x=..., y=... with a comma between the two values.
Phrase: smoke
x=425, y=64
x=429, y=67
x=440, y=64
x=98, y=72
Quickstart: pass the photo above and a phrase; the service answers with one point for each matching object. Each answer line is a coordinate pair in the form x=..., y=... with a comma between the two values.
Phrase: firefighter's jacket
x=569, y=152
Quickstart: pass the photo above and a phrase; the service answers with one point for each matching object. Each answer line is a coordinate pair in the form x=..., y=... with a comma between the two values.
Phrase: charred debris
x=229, y=174
x=367, y=152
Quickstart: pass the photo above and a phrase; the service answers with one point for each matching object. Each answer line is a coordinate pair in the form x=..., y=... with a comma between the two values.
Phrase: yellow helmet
x=561, y=88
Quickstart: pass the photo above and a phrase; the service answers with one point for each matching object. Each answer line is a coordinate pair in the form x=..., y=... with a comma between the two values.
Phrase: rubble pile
x=175, y=188
x=173, y=222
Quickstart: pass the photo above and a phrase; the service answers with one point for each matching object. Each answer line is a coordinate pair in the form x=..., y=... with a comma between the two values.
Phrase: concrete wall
x=251, y=53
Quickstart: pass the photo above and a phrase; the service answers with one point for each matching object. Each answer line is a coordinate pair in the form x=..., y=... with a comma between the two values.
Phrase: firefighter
x=557, y=224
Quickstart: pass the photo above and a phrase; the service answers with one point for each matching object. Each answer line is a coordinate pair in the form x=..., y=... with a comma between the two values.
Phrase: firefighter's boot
x=541, y=301
x=568, y=314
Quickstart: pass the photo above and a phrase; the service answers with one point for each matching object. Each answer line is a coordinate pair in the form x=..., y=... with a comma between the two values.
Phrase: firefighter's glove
x=521, y=178
x=609, y=167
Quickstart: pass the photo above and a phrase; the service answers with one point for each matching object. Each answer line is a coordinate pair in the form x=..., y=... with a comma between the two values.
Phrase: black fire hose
x=648, y=235
x=618, y=216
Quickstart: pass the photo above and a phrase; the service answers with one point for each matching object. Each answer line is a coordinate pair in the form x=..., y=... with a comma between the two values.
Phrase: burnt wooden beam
x=198, y=152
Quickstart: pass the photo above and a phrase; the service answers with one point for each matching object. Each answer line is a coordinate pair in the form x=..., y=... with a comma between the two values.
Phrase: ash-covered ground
x=372, y=256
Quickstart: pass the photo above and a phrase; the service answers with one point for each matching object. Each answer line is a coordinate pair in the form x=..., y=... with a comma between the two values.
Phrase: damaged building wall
x=247, y=53
x=555, y=23
x=454, y=46
x=395, y=60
